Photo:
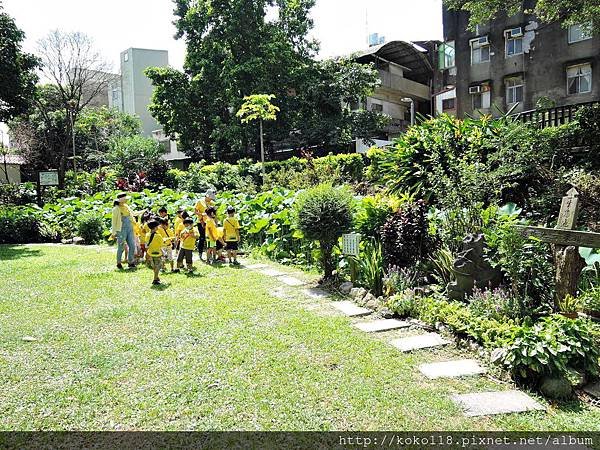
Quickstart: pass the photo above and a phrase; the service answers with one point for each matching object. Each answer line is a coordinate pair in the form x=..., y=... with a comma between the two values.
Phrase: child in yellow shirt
x=212, y=235
x=168, y=236
x=187, y=239
x=154, y=244
x=231, y=230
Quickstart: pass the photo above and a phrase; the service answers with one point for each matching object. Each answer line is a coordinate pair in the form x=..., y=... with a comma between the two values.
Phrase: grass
x=215, y=351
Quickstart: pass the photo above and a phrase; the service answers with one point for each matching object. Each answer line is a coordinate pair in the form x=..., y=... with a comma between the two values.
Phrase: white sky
x=115, y=25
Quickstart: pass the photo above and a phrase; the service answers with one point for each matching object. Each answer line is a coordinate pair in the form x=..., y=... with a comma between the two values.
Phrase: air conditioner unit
x=515, y=32
x=475, y=90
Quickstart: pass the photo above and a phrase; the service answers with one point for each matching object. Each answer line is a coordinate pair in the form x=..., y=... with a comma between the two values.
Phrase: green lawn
x=214, y=351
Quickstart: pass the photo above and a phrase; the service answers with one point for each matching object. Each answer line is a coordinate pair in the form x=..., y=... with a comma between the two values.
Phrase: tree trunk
x=326, y=251
x=569, y=265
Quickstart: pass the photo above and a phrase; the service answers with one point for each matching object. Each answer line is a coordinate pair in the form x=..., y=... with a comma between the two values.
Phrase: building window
x=579, y=33
x=126, y=57
x=481, y=96
x=514, y=90
x=377, y=107
x=579, y=79
x=514, y=41
x=448, y=103
x=480, y=50
x=446, y=55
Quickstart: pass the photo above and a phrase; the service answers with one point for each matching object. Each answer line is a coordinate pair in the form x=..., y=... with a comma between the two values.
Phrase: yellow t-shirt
x=137, y=229
x=176, y=222
x=145, y=231
x=188, y=238
x=125, y=211
x=231, y=227
x=200, y=209
x=211, y=229
x=167, y=235
x=154, y=246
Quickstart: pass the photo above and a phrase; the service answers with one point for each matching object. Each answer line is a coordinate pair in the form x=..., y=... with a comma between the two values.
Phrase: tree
x=97, y=127
x=568, y=12
x=233, y=51
x=17, y=71
x=259, y=107
x=79, y=74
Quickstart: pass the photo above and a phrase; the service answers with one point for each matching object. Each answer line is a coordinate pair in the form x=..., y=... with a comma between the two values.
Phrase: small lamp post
x=412, y=109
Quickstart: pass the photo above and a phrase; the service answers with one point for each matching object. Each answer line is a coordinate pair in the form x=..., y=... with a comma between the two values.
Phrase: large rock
x=386, y=313
x=369, y=299
x=358, y=293
x=78, y=240
x=558, y=388
x=346, y=287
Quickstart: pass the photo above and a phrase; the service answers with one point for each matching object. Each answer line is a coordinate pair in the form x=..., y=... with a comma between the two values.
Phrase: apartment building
x=514, y=64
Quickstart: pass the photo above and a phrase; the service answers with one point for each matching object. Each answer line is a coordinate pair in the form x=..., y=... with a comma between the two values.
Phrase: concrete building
x=10, y=168
x=406, y=70
x=132, y=93
x=514, y=64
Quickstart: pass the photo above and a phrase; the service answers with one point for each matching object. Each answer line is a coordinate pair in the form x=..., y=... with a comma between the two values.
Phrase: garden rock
x=372, y=304
x=369, y=298
x=66, y=241
x=558, y=388
x=358, y=293
x=78, y=240
x=386, y=313
x=346, y=287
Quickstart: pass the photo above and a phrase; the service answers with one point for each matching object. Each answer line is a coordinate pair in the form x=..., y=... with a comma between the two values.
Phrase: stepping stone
x=374, y=326
x=316, y=293
x=280, y=293
x=350, y=309
x=291, y=281
x=503, y=402
x=272, y=272
x=593, y=389
x=451, y=369
x=256, y=266
x=420, y=341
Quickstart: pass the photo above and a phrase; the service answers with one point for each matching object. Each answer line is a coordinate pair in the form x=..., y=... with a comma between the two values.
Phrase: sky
x=115, y=25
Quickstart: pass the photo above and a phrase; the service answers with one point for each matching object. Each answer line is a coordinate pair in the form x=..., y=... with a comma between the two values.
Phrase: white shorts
x=167, y=253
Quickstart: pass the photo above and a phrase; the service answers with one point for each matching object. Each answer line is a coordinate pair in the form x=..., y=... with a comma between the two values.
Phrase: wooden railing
x=552, y=117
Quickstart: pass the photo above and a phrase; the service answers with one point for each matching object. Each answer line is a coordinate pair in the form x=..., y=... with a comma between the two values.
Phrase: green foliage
x=373, y=212
x=405, y=236
x=550, y=347
x=133, y=155
x=497, y=304
x=591, y=301
x=568, y=12
x=404, y=303
x=19, y=225
x=234, y=50
x=397, y=280
x=258, y=107
x=17, y=71
x=323, y=214
x=570, y=304
x=91, y=228
x=370, y=264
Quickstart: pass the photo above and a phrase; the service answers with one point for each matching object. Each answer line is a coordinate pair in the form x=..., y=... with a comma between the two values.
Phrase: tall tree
x=235, y=50
x=79, y=75
x=568, y=12
x=17, y=70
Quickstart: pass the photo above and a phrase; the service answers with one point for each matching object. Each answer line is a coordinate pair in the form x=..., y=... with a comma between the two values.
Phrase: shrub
x=19, y=225
x=403, y=303
x=372, y=213
x=17, y=194
x=371, y=267
x=323, y=214
x=405, y=236
x=131, y=155
x=398, y=279
x=550, y=347
x=496, y=304
x=90, y=227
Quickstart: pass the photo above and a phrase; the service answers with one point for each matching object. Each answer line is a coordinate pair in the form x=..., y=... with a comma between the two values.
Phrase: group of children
x=157, y=240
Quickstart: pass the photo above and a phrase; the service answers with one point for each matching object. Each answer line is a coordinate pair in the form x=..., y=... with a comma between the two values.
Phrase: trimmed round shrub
x=91, y=228
x=323, y=214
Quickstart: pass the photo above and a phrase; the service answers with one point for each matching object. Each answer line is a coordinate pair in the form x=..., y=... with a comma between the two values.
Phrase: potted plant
x=569, y=306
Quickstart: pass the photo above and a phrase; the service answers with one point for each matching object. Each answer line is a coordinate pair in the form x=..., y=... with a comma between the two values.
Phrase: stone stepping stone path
x=490, y=403
x=270, y=272
x=452, y=369
x=374, y=326
x=418, y=342
x=316, y=293
x=291, y=281
x=351, y=309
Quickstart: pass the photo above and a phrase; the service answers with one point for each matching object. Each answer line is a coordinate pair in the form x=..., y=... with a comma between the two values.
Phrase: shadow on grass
x=12, y=251
x=572, y=405
x=160, y=287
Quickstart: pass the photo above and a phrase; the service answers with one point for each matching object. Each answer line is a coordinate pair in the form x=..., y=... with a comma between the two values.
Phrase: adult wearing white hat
x=200, y=210
x=122, y=229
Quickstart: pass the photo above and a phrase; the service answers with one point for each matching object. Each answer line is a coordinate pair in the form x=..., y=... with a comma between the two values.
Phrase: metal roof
x=403, y=53
x=12, y=159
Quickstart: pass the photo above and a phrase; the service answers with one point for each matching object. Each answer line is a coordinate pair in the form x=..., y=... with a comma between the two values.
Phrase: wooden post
x=569, y=263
